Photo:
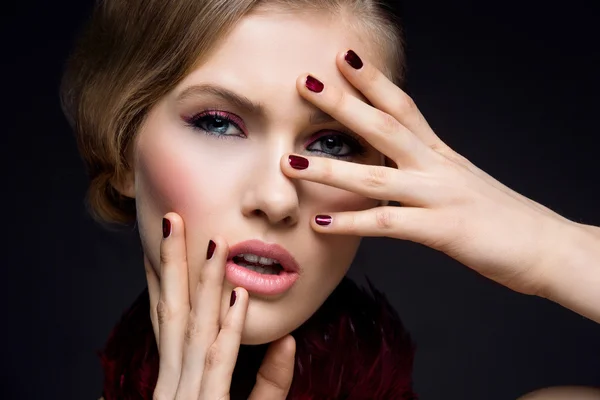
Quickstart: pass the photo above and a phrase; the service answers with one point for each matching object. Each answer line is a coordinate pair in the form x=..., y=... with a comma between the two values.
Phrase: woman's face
x=211, y=149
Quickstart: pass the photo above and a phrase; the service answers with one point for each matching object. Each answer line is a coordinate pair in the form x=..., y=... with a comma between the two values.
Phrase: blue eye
x=216, y=123
x=337, y=145
x=224, y=125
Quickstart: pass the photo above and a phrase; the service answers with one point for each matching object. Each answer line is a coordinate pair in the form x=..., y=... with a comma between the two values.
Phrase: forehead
x=265, y=53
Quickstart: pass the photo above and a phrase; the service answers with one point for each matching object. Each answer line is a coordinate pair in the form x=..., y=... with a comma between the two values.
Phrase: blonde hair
x=133, y=52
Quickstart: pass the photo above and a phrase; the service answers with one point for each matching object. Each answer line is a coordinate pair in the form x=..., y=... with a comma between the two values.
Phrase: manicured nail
x=323, y=220
x=211, y=249
x=353, y=60
x=232, y=299
x=297, y=162
x=166, y=225
x=314, y=85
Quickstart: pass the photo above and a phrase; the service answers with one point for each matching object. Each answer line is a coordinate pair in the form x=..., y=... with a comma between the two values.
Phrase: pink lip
x=261, y=283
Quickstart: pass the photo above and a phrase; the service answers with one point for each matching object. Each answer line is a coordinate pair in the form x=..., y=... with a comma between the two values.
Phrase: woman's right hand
x=197, y=354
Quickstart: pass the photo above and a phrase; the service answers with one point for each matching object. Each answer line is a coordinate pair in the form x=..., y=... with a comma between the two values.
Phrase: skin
x=260, y=60
x=563, y=393
x=449, y=205
x=264, y=204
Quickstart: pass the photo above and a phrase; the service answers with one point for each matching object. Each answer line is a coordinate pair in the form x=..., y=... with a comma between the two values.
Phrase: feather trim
x=354, y=347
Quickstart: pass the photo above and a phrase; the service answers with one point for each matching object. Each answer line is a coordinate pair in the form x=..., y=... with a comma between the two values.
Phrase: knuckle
x=372, y=75
x=172, y=256
x=376, y=177
x=339, y=100
x=406, y=104
x=204, y=280
x=164, y=257
x=192, y=330
x=165, y=312
x=232, y=326
x=162, y=312
x=388, y=124
x=213, y=357
x=441, y=148
x=350, y=223
x=273, y=383
x=384, y=219
x=326, y=170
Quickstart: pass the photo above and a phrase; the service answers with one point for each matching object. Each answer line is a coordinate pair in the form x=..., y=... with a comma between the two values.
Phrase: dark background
x=513, y=86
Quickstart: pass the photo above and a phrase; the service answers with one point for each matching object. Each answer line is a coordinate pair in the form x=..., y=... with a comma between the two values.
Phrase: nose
x=271, y=195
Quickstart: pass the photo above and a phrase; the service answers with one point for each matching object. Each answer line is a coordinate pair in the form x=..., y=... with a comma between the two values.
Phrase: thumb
x=276, y=371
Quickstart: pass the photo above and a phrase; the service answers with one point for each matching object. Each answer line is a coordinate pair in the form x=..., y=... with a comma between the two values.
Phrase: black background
x=513, y=86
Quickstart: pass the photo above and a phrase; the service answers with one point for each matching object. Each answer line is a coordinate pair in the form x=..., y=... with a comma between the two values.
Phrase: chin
x=266, y=323
x=256, y=335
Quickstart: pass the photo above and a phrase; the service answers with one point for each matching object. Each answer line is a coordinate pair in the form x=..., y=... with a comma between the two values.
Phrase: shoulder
x=564, y=393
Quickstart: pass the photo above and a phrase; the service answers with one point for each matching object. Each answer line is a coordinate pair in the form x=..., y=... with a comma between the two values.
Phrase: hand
x=197, y=356
x=448, y=203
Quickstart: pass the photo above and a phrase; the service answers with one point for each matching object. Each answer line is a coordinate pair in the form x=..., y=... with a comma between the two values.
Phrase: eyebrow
x=316, y=117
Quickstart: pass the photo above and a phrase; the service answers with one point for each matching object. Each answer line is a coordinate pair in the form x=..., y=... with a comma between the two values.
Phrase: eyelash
x=357, y=148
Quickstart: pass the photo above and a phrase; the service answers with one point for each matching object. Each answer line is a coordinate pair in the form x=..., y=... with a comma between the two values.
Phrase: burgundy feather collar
x=354, y=347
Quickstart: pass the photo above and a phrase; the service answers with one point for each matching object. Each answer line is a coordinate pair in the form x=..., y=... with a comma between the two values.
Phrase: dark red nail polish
x=211, y=249
x=297, y=162
x=323, y=220
x=353, y=60
x=314, y=85
x=232, y=299
x=166, y=226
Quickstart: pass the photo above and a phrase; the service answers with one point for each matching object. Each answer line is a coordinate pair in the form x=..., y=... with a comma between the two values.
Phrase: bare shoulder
x=564, y=393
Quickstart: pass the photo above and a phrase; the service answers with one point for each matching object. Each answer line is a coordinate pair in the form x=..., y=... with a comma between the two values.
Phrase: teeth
x=259, y=269
x=253, y=258
x=266, y=261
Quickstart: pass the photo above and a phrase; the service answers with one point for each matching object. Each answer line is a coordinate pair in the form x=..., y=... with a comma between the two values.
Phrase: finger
x=372, y=181
x=222, y=354
x=203, y=322
x=380, y=129
x=384, y=95
x=389, y=98
x=406, y=223
x=173, y=305
x=276, y=371
x=153, y=295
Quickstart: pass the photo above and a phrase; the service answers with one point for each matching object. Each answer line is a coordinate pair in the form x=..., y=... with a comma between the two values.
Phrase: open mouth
x=262, y=265
x=261, y=268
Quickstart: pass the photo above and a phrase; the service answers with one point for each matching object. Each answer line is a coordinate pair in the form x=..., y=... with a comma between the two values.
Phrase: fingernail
x=314, y=85
x=166, y=226
x=323, y=220
x=297, y=162
x=353, y=60
x=211, y=249
x=232, y=299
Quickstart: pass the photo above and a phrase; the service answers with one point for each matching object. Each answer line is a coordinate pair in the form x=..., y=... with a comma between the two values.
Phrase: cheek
x=174, y=176
x=336, y=251
x=326, y=198
x=171, y=183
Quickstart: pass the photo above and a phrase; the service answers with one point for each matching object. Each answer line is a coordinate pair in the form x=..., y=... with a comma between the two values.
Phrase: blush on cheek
x=173, y=177
x=167, y=185
x=169, y=181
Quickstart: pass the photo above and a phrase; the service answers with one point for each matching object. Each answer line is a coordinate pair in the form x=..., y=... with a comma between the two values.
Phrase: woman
x=245, y=242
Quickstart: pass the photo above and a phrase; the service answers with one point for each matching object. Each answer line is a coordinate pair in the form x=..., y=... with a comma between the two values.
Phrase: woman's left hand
x=447, y=203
